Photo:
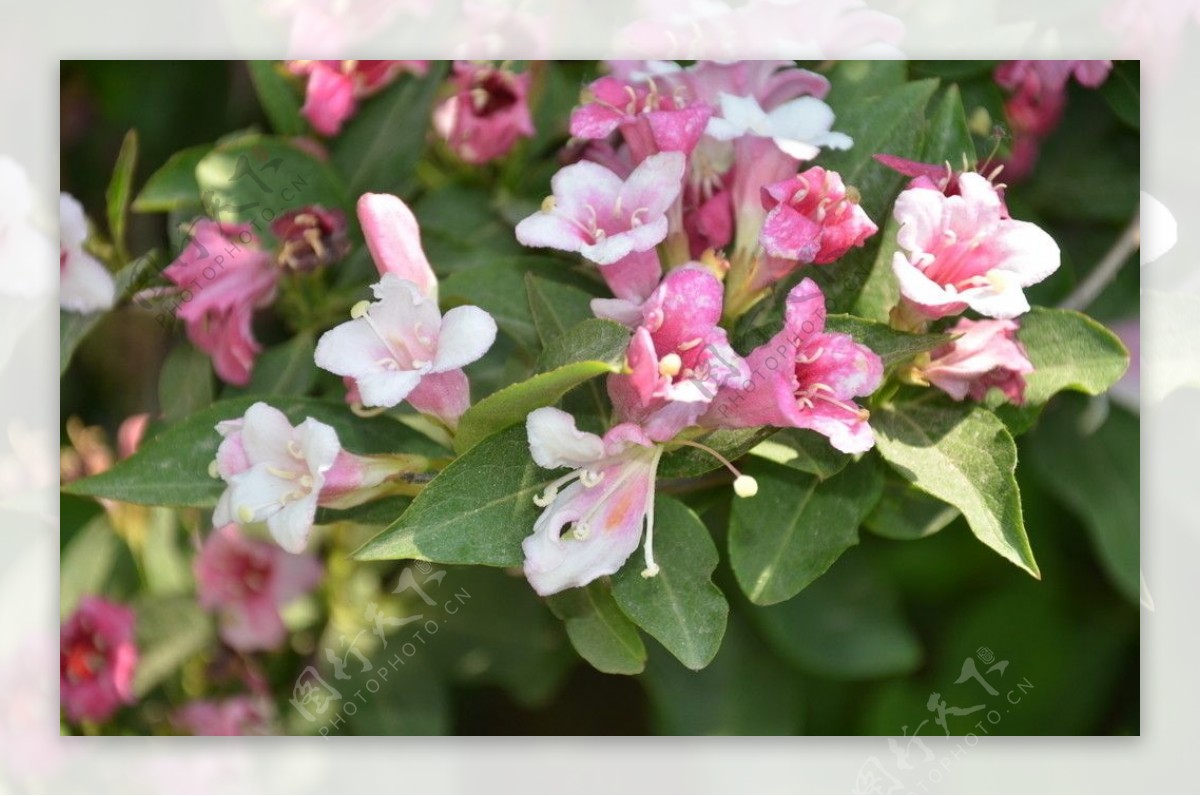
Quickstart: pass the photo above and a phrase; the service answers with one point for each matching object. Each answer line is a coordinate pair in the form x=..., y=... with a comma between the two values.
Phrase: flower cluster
x=690, y=200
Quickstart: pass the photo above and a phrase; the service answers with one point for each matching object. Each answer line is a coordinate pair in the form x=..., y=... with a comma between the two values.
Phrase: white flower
x=86, y=285
x=800, y=127
x=25, y=253
x=392, y=343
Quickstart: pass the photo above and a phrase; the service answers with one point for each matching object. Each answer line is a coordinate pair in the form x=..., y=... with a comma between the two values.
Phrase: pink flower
x=391, y=345
x=97, y=658
x=246, y=582
x=651, y=118
x=604, y=218
x=964, y=251
x=335, y=87
x=605, y=499
x=310, y=237
x=1039, y=90
x=223, y=276
x=394, y=239
x=279, y=474
x=986, y=355
x=489, y=111
x=813, y=218
x=804, y=377
x=679, y=357
x=86, y=285
x=239, y=715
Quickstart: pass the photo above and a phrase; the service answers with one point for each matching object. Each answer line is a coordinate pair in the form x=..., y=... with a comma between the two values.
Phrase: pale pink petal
x=555, y=441
x=466, y=335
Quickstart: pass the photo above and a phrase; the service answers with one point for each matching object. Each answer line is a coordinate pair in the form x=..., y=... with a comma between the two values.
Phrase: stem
x=1091, y=287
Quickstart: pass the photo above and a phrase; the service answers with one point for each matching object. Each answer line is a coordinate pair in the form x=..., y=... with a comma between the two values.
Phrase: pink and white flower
x=985, y=355
x=487, y=114
x=279, y=474
x=85, y=284
x=813, y=218
x=335, y=87
x=246, y=582
x=652, y=118
x=678, y=358
x=223, y=275
x=238, y=715
x=394, y=239
x=604, y=218
x=604, y=500
x=965, y=251
x=393, y=344
x=97, y=659
x=804, y=377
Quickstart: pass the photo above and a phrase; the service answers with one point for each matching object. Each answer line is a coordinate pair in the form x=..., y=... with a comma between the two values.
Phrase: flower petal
x=466, y=334
x=394, y=239
x=555, y=441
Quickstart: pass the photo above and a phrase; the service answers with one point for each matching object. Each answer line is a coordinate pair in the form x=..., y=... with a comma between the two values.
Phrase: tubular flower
x=487, y=114
x=986, y=355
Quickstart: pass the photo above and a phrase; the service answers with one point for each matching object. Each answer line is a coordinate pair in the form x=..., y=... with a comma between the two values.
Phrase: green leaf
x=594, y=340
x=963, y=455
x=166, y=558
x=277, y=96
x=255, y=178
x=378, y=512
x=846, y=626
x=680, y=606
x=593, y=348
x=174, y=185
x=905, y=512
x=171, y=468
x=1069, y=351
x=170, y=630
x=514, y=403
x=120, y=188
x=499, y=288
x=556, y=307
x=803, y=450
x=1122, y=92
x=185, y=385
x=599, y=632
x=1097, y=475
x=476, y=511
x=379, y=148
x=412, y=700
x=892, y=346
x=948, y=138
x=746, y=690
x=787, y=535
x=285, y=369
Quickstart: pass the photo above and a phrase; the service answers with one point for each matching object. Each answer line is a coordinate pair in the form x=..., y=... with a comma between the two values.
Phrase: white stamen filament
x=651, y=565
x=743, y=485
x=811, y=358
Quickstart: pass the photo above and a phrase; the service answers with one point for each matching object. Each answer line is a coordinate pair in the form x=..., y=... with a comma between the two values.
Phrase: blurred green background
x=862, y=649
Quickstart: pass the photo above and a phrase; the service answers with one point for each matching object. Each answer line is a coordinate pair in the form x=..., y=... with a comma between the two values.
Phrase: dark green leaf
x=964, y=456
x=556, y=307
x=285, y=369
x=905, y=512
x=594, y=340
x=787, y=535
x=1069, y=351
x=846, y=626
x=746, y=690
x=87, y=562
x=278, y=97
x=732, y=443
x=599, y=632
x=379, y=148
x=1097, y=475
x=680, y=606
x=1122, y=91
